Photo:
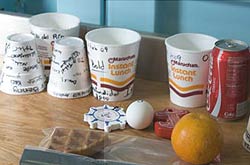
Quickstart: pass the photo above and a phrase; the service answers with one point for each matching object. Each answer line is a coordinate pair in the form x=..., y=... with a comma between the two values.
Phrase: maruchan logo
x=205, y=58
x=174, y=62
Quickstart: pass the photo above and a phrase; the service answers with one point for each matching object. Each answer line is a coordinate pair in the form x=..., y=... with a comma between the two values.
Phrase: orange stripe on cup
x=46, y=62
x=93, y=76
x=118, y=83
x=184, y=89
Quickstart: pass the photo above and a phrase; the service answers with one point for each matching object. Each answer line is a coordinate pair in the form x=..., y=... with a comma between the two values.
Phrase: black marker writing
x=23, y=48
x=105, y=49
x=66, y=95
x=67, y=64
x=83, y=93
x=129, y=90
x=7, y=47
x=16, y=82
x=44, y=36
x=35, y=79
x=21, y=55
x=9, y=67
x=28, y=68
x=25, y=90
x=57, y=36
x=19, y=63
x=70, y=81
x=99, y=65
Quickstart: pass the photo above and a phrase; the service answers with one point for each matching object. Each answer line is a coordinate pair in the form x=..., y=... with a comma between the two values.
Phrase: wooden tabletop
x=22, y=119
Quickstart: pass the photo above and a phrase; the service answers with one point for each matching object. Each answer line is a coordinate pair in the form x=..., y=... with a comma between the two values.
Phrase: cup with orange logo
x=188, y=59
x=113, y=54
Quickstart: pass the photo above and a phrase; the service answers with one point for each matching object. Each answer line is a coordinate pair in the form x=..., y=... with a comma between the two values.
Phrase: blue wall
x=29, y=6
x=135, y=14
x=222, y=19
x=8, y=5
x=89, y=11
x=39, y=6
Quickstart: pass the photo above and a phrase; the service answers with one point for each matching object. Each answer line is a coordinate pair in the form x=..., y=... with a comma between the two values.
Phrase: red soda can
x=228, y=80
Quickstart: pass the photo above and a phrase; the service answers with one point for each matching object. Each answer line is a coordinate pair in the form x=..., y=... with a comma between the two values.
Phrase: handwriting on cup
x=9, y=67
x=23, y=55
x=32, y=67
x=72, y=95
x=67, y=64
x=7, y=47
x=35, y=79
x=45, y=36
x=104, y=94
x=16, y=82
x=95, y=48
x=20, y=63
x=23, y=48
x=69, y=80
x=17, y=89
x=97, y=65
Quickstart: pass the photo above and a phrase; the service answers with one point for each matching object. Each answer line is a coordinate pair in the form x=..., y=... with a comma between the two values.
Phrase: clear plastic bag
x=130, y=149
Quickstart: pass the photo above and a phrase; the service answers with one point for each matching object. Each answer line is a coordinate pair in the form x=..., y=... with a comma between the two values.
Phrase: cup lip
x=87, y=36
x=20, y=42
x=57, y=44
x=31, y=21
x=185, y=50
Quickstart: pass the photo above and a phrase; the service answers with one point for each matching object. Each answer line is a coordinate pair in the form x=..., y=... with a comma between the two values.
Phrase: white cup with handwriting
x=22, y=71
x=49, y=27
x=69, y=75
x=113, y=54
x=188, y=60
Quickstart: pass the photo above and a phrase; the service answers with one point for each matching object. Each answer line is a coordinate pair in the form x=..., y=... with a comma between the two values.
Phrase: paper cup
x=246, y=142
x=188, y=59
x=113, y=54
x=69, y=77
x=22, y=71
x=248, y=125
x=49, y=27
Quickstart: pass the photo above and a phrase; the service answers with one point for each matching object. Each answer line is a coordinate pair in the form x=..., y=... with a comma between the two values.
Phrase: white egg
x=139, y=114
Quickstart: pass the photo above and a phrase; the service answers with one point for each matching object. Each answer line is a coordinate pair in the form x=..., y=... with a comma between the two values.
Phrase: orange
x=197, y=138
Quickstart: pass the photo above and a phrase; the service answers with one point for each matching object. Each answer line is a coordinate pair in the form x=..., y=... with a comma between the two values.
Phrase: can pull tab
x=230, y=44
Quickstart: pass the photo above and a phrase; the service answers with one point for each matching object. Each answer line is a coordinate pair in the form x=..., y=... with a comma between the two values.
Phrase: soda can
x=228, y=79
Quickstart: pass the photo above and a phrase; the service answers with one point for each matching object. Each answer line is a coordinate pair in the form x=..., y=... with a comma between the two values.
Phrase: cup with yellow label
x=113, y=54
x=188, y=60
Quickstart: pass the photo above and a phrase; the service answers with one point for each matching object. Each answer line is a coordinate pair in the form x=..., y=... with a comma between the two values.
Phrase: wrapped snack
x=77, y=141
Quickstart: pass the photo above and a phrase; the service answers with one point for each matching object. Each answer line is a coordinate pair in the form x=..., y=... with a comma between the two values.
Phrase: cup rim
x=88, y=36
x=20, y=42
x=58, y=44
x=185, y=50
x=38, y=16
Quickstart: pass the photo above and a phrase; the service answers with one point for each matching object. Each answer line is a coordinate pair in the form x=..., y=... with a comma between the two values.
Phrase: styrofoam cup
x=113, y=54
x=49, y=27
x=69, y=77
x=248, y=125
x=22, y=71
x=188, y=59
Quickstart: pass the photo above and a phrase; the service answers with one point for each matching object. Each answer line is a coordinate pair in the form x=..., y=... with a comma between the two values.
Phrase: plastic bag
x=130, y=149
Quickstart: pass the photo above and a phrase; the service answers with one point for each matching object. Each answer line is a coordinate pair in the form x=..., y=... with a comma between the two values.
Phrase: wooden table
x=22, y=119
